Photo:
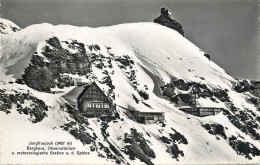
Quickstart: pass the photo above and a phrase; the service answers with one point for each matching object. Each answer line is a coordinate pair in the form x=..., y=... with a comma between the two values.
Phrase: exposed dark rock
x=243, y=148
x=107, y=80
x=242, y=87
x=166, y=19
x=165, y=140
x=185, y=98
x=79, y=117
x=254, y=100
x=175, y=151
x=116, y=151
x=134, y=151
x=81, y=132
x=15, y=29
x=125, y=60
x=201, y=90
x=55, y=42
x=207, y=55
x=144, y=94
x=177, y=137
x=4, y=28
x=147, y=105
x=85, y=138
x=206, y=93
x=172, y=142
x=39, y=78
x=37, y=109
x=221, y=95
x=138, y=147
x=43, y=71
x=195, y=88
x=248, y=86
x=78, y=130
x=215, y=129
x=170, y=92
x=94, y=47
x=181, y=85
x=109, y=154
x=243, y=120
x=77, y=46
x=104, y=126
x=136, y=100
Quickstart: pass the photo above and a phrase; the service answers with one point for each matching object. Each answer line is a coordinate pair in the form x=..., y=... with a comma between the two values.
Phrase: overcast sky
x=226, y=29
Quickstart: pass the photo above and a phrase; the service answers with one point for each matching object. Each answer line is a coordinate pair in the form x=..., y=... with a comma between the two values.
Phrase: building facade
x=194, y=109
x=92, y=102
x=67, y=80
x=201, y=111
x=147, y=117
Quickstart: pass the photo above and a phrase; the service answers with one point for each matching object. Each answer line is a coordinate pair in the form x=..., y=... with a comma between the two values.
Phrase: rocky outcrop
x=138, y=147
x=24, y=103
x=207, y=55
x=243, y=148
x=222, y=95
x=44, y=70
x=166, y=19
x=248, y=86
x=172, y=144
x=201, y=90
x=7, y=26
x=216, y=129
x=181, y=85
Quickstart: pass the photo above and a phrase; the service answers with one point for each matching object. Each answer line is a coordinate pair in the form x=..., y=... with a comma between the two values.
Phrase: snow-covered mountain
x=7, y=26
x=126, y=59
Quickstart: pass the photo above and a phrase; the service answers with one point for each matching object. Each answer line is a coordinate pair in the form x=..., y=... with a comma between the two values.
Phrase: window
x=149, y=117
x=89, y=105
x=98, y=106
x=106, y=105
x=85, y=105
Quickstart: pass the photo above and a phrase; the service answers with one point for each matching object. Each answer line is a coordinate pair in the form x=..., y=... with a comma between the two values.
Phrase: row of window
x=151, y=114
x=206, y=113
x=96, y=105
x=149, y=117
x=210, y=109
x=190, y=110
x=193, y=112
x=94, y=95
x=206, y=110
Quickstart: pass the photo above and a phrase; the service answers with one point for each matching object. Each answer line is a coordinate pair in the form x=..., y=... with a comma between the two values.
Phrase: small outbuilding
x=201, y=111
x=144, y=117
x=195, y=109
x=149, y=117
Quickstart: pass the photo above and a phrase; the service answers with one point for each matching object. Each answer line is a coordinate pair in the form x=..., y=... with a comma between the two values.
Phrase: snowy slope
x=159, y=55
x=7, y=27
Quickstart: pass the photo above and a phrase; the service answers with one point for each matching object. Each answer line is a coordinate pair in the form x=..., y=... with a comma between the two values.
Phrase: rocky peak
x=165, y=12
x=166, y=19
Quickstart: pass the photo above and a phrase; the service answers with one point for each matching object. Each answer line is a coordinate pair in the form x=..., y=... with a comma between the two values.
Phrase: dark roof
x=77, y=92
x=85, y=89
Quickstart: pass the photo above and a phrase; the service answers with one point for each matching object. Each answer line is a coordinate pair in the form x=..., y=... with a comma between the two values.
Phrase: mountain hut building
x=90, y=100
x=193, y=108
